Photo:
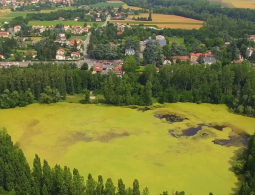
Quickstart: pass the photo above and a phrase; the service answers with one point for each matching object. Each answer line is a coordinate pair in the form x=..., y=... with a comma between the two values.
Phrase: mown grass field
x=79, y=37
x=236, y=3
x=164, y=21
x=178, y=40
x=112, y=4
x=125, y=6
x=68, y=22
x=126, y=143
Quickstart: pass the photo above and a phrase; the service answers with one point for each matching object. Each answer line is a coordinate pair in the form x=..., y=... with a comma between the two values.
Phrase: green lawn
x=141, y=69
x=68, y=22
x=16, y=14
x=178, y=40
x=115, y=5
x=125, y=143
x=79, y=37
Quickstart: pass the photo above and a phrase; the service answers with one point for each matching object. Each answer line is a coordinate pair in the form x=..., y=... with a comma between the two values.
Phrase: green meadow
x=68, y=22
x=115, y=5
x=178, y=40
x=126, y=143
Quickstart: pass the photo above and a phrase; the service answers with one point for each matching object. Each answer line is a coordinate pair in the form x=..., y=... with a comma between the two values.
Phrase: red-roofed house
x=61, y=51
x=17, y=28
x=194, y=56
x=97, y=70
x=4, y=34
x=86, y=29
x=1, y=56
x=75, y=55
x=252, y=37
x=60, y=57
x=98, y=20
x=182, y=58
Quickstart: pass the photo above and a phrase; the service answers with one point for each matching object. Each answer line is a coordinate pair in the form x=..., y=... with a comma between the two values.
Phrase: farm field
x=164, y=21
x=113, y=4
x=68, y=22
x=125, y=143
x=236, y=3
x=125, y=6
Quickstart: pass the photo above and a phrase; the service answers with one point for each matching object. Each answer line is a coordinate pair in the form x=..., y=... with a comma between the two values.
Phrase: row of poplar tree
x=232, y=84
x=16, y=177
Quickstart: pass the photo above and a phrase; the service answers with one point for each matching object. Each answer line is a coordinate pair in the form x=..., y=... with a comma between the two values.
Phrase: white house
x=61, y=51
x=130, y=52
x=60, y=57
x=17, y=28
x=98, y=20
x=75, y=55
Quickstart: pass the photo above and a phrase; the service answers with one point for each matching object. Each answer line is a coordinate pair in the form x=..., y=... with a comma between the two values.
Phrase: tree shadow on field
x=232, y=161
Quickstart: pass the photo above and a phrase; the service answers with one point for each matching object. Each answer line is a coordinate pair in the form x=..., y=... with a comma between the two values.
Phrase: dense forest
x=217, y=84
x=245, y=166
x=16, y=177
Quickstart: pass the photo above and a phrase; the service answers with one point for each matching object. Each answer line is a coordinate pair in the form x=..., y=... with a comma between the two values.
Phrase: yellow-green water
x=129, y=144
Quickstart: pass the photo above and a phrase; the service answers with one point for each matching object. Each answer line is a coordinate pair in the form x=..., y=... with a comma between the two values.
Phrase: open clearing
x=68, y=22
x=250, y=5
x=127, y=143
x=236, y=3
x=164, y=21
x=112, y=4
x=125, y=6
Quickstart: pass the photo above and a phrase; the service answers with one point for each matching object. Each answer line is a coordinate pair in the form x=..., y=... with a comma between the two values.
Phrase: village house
x=182, y=58
x=1, y=56
x=194, y=56
x=61, y=51
x=130, y=52
x=167, y=62
x=66, y=27
x=60, y=57
x=208, y=60
x=4, y=34
x=61, y=18
x=249, y=52
x=30, y=53
x=76, y=19
x=22, y=39
x=75, y=55
x=17, y=28
x=252, y=37
x=160, y=37
x=2, y=29
x=98, y=20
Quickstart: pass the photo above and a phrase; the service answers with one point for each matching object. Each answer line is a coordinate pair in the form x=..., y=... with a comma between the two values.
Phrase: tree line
x=244, y=166
x=233, y=85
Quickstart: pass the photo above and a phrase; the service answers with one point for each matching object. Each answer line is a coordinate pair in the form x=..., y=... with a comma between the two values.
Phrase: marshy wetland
x=180, y=146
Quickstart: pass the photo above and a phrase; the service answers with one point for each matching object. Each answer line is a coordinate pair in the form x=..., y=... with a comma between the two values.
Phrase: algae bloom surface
x=130, y=144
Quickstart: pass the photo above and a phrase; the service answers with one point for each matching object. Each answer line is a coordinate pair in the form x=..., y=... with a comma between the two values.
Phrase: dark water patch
x=237, y=140
x=170, y=118
x=192, y=130
x=144, y=109
x=218, y=127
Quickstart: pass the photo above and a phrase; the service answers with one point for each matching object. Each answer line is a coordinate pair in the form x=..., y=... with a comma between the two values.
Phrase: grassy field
x=125, y=6
x=236, y=3
x=164, y=21
x=114, y=4
x=178, y=40
x=126, y=143
x=68, y=22
x=79, y=37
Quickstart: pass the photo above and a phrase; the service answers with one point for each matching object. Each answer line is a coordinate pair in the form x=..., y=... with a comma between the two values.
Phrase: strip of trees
x=233, y=85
